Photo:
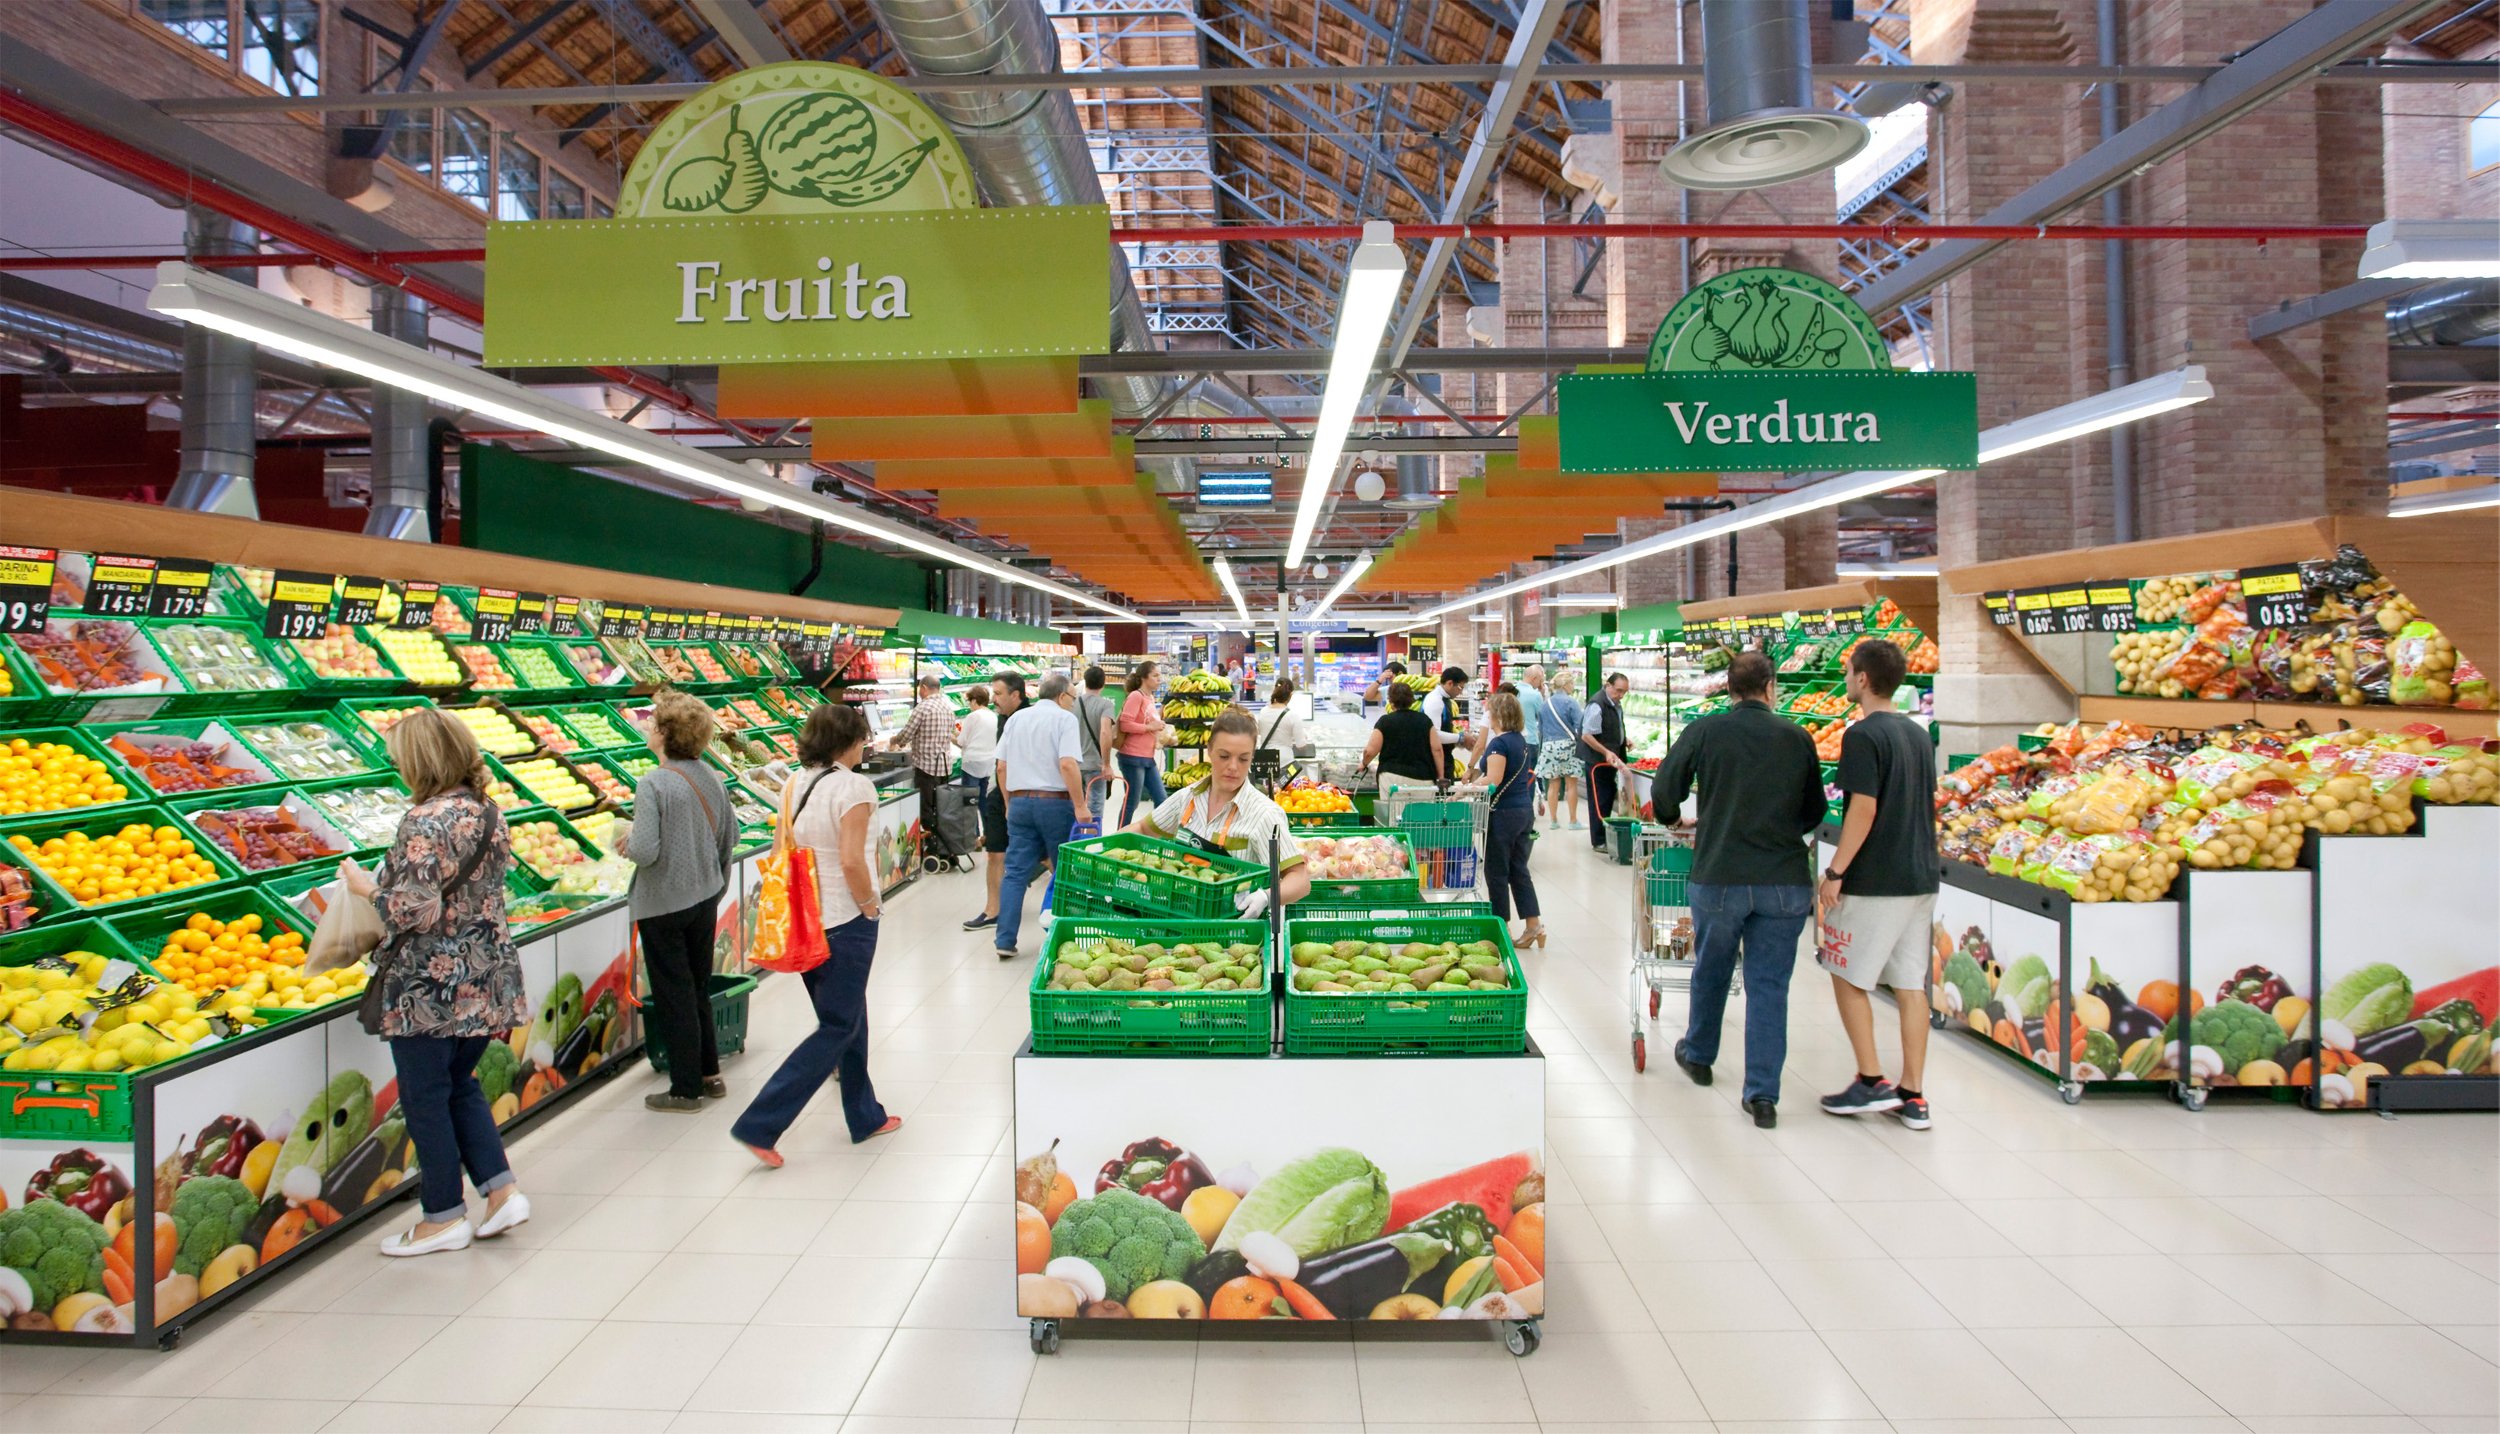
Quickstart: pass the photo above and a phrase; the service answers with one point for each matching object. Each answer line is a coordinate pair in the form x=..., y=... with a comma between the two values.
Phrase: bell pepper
x=82, y=1180
x=224, y=1144
x=1157, y=1169
x=2256, y=985
x=1464, y=1227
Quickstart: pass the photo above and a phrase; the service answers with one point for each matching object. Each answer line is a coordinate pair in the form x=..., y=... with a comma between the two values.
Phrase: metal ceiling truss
x=415, y=49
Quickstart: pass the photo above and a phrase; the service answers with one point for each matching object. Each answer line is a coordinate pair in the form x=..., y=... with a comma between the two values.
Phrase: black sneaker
x=1766, y=1113
x=981, y=923
x=1006, y=953
x=1912, y=1112
x=1863, y=1097
x=1700, y=1073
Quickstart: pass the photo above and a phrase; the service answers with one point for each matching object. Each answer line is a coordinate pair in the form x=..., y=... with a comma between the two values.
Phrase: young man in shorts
x=1878, y=897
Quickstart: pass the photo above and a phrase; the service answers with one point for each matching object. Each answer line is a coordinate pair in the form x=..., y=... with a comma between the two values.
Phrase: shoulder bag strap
x=1281, y=715
x=698, y=794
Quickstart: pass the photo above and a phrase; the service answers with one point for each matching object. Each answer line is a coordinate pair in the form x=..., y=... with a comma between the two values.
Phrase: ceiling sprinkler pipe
x=1757, y=66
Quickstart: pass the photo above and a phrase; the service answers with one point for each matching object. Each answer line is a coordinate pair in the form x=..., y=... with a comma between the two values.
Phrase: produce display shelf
x=602, y=674
x=58, y=901
x=352, y=712
x=309, y=680
x=596, y=725
x=88, y=743
x=83, y=1106
x=530, y=796
x=157, y=686
x=197, y=698
x=1442, y=1023
x=306, y=813
x=269, y=735
x=1367, y=893
x=568, y=688
x=146, y=932
x=253, y=769
x=1086, y=867
x=1114, y=1023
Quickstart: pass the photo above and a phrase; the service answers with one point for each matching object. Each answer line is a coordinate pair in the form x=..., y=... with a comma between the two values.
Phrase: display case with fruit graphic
x=311, y=746
x=129, y=855
x=56, y=1198
x=185, y=757
x=266, y=833
x=52, y=769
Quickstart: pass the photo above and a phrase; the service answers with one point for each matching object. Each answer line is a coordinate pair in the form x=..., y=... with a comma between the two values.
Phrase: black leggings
x=1507, y=837
x=677, y=957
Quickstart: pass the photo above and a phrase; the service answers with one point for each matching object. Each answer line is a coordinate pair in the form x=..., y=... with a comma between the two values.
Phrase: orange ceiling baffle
x=908, y=388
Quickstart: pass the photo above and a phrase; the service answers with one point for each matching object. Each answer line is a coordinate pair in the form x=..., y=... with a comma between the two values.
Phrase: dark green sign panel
x=1789, y=423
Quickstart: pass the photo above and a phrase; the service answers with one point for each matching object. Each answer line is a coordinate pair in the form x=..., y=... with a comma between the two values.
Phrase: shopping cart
x=1104, y=794
x=1662, y=925
x=1446, y=825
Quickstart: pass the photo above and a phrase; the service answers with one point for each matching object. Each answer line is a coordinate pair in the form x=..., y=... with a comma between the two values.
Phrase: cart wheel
x=1935, y=1020
x=1523, y=1337
x=931, y=866
x=2192, y=1096
x=1640, y=1054
x=1653, y=1003
x=2070, y=1091
x=1045, y=1336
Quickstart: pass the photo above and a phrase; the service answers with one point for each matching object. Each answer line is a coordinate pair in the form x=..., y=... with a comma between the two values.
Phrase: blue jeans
x=1145, y=784
x=448, y=1120
x=1035, y=828
x=1767, y=922
x=838, y=988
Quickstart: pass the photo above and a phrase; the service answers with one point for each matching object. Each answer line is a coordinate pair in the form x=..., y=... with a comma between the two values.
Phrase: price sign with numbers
x=2276, y=596
x=181, y=588
x=360, y=601
x=623, y=620
x=120, y=586
x=2113, y=607
x=665, y=625
x=2032, y=613
x=714, y=627
x=530, y=615
x=26, y=588
x=564, y=616
x=416, y=604
x=299, y=605
x=2000, y=608
x=2072, y=607
x=495, y=607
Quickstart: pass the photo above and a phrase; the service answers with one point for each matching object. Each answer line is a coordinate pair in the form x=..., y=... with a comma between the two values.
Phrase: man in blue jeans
x=1040, y=771
x=1753, y=880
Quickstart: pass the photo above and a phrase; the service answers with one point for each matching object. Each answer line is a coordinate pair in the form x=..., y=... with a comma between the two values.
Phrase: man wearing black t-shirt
x=1878, y=896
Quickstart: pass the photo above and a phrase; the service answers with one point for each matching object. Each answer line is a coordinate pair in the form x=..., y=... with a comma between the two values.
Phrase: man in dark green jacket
x=1753, y=880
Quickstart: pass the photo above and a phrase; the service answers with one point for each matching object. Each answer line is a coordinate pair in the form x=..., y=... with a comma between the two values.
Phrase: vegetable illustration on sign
x=800, y=138
x=1766, y=320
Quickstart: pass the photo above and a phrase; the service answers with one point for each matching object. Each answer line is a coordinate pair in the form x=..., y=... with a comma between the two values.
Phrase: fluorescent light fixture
x=196, y=296
x=1224, y=575
x=2454, y=500
x=1584, y=599
x=1353, y=570
x=2158, y=394
x=2432, y=249
x=1880, y=570
x=1371, y=291
x=1398, y=622
x=1487, y=617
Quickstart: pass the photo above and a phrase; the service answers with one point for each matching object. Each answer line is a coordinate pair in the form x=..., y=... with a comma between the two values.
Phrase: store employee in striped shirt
x=1222, y=812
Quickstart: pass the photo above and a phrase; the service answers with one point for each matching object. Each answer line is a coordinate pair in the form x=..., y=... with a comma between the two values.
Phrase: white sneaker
x=454, y=1236
x=515, y=1211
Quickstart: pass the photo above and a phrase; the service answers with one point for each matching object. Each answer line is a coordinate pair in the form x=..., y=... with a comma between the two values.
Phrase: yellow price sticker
x=2266, y=584
x=300, y=592
x=2111, y=596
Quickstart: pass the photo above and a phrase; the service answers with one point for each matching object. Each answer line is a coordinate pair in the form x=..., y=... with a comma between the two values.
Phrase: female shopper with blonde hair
x=826, y=807
x=1511, y=827
x=679, y=842
x=449, y=975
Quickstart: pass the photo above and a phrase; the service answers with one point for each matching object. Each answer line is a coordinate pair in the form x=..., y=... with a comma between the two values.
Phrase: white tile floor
x=2023, y=1266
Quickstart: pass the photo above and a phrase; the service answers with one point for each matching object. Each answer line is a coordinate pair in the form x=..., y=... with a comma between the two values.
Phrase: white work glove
x=1252, y=904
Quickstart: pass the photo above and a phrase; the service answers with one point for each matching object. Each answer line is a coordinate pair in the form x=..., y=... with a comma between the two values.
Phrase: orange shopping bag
x=789, y=929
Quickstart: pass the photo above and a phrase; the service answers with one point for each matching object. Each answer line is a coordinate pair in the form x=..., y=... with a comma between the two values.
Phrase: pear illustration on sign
x=797, y=139
x=1767, y=320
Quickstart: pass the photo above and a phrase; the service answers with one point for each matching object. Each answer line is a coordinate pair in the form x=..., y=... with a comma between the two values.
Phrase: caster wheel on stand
x=170, y=1338
x=2070, y=1092
x=1523, y=1337
x=1640, y=1054
x=2192, y=1096
x=1935, y=1020
x=1653, y=1003
x=1045, y=1336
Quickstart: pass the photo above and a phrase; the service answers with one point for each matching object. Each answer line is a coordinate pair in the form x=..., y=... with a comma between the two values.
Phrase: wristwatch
x=1831, y=875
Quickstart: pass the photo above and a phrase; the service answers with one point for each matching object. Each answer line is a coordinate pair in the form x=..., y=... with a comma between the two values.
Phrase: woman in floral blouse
x=450, y=977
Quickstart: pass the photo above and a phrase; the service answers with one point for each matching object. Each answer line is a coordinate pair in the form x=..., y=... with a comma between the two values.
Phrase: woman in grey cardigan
x=679, y=842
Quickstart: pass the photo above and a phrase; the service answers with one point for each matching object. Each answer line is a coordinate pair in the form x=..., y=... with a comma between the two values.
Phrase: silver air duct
x=1764, y=129
x=2447, y=315
x=220, y=430
x=401, y=491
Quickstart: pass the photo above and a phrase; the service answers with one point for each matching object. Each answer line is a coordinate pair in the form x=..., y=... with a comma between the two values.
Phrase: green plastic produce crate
x=1442, y=1023
x=596, y=725
x=1085, y=866
x=251, y=771
x=208, y=689
x=729, y=1019
x=531, y=659
x=1117, y=1023
x=353, y=722
x=601, y=674
x=1321, y=821
x=20, y=692
x=307, y=814
x=1369, y=893
x=79, y=1106
x=312, y=746
x=157, y=683
x=299, y=664
x=792, y=703
x=145, y=931
x=332, y=796
x=1668, y=879
x=500, y=767
x=40, y=829
x=87, y=742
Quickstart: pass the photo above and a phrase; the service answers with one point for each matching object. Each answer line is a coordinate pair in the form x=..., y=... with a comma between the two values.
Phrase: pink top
x=1140, y=720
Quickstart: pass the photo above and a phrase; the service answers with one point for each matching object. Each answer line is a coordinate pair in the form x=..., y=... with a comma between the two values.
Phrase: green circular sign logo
x=1767, y=321
x=797, y=139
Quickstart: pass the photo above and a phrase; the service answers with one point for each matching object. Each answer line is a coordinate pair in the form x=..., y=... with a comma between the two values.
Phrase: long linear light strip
x=1353, y=570
x=199, y=297
x=2456, y=500
x=1371, y=291
x=1232, y=589
x=2159, y=394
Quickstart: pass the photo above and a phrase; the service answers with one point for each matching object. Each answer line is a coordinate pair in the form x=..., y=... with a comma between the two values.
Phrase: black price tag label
x=495, y=607
x=714, y=628
x=26, y=588
x=2000, y=608
x=564, y=616
x=299, y=605
x=2113, y=607
x=181, y=588
x=2032, y=612
x=2276, y=596
x=360, y=601
x=628, y=620
x=416, y=605
x=119, y=585
x=530, y=617
x=665, y=625
x=2072, y=607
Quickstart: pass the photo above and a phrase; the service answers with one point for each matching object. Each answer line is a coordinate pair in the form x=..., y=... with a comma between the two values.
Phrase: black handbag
x=369, y=1006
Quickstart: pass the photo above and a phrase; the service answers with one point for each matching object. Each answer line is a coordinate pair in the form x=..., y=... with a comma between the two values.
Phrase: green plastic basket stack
x=1667, y=879
x=1087, y=871
x=1115, y=1023
x=1443, y=838
x=1371, y=893
x=1439, y=1023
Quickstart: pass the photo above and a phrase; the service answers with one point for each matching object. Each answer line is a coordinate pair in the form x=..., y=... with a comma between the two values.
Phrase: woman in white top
x=1280, y=727
x=826, y=807
x=977, y=734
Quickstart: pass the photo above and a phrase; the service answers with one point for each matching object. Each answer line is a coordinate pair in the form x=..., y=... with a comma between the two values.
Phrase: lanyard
x=1220, y=843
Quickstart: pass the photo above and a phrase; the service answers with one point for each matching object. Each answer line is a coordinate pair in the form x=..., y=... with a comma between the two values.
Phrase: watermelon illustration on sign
x=821, y=146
